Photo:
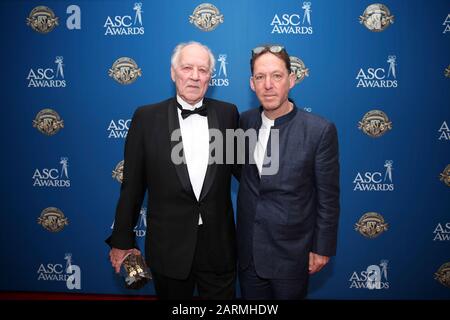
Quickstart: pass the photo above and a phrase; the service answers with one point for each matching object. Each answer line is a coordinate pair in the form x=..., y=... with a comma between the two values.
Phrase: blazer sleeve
x=237, y=167
x=327, y=186
x=133, y=187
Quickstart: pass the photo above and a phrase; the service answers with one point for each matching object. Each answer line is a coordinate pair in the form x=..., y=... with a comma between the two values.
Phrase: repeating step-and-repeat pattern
x=75, y=71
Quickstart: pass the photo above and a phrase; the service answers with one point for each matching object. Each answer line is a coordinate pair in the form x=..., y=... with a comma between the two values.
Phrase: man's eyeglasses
x=273, y=49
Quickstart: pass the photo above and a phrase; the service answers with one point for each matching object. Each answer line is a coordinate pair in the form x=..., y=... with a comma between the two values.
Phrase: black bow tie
x=186, y=113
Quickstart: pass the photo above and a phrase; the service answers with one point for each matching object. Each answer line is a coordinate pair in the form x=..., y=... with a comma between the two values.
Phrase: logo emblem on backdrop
x=70, y=274
x=375, y=123
x=125, y=25
x=138, y=16
x=141, y=226
x=375, y=181
x=391, y=71
x=118, y=171
x=443, y=275
x=52, y=177
x=307, y=13
x=59, y=67
x=119, y=128
x=53, y=219
x=446, y=24
x=48, y=122
x=42, y=19
x=442, y=232
x=293, y=23
x=447, y=71
x=206, y=17
x=444, y=132
x=48, y=77
x=220, y=78
x=125, y=70
x=376, y=77
x=374, y=277
x=299, y=69
x=445, y=175
x=371, y=225
x=376, y=17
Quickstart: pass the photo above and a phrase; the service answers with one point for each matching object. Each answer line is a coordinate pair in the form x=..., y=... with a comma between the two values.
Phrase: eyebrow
x=273, y=72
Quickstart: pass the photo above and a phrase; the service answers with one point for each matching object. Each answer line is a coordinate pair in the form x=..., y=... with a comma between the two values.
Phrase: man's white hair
x=176, y=54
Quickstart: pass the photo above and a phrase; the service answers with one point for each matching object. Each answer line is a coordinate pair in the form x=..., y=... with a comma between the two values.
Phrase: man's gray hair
x=179, y=47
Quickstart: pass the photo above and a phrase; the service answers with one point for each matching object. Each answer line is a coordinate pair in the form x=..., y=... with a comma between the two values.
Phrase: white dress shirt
x=195, y=135
x=263, y=138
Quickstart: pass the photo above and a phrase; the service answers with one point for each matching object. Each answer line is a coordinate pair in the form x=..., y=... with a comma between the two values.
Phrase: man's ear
x=172, y=73
x=252, y=85
x=292, y=78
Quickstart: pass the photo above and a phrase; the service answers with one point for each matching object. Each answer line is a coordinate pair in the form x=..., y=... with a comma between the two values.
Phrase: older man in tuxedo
x=191, y=234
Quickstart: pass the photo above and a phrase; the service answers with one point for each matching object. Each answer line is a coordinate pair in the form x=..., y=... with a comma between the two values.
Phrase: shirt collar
x=186, y=105
x=266, y=121
x=283, y=119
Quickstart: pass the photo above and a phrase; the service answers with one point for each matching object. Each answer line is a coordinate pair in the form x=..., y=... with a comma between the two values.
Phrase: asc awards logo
x=442, y=232
x=48, y=122
x=118, y=129
x=52, y=219
x=375, y=123
x=48, y=77
x=373, y=278
x=376, y=17
x=375, y=181
x=220, y=79
x=52, y=177
x=43, y=20
x=70, y=274
x=141, y=227
x=293, y=23
x=125, y=25
x=371, y=225
x=444, y=132
x=206, y=17
x=125, y=70
x=373, y=77
x=446, y=24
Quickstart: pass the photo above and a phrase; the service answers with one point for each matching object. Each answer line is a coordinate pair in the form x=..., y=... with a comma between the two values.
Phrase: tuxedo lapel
x=213, y=122
x=181, y=169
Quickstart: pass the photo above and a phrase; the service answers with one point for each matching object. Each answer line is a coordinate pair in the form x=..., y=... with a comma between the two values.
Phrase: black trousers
x=210, y=285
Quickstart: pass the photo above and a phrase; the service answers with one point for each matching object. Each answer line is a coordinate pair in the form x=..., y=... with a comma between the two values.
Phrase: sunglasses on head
x=273, y=49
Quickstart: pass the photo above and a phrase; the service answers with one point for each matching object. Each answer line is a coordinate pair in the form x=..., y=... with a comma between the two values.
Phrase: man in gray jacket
x=287, y=218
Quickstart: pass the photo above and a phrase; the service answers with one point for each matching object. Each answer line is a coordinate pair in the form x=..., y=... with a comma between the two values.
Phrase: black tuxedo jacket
x=173, y=210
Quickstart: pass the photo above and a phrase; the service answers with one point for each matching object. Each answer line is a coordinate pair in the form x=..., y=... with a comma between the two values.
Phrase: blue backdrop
x=58, y=190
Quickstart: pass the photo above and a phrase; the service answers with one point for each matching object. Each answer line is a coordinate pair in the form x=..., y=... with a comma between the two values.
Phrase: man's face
x=191, y=73
x=271, y=82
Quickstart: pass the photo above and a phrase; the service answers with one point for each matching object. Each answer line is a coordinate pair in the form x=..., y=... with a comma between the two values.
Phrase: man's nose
x=194, y=74
x=268, y=83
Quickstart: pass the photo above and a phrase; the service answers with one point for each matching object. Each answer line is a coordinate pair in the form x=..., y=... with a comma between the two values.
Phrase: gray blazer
x=282, y=217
